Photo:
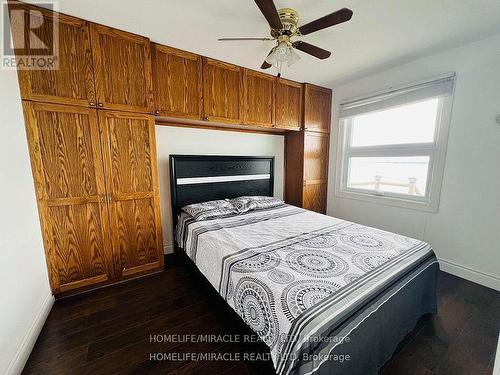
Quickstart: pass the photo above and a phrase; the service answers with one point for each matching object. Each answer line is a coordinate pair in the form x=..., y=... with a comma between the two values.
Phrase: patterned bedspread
x=294, y=275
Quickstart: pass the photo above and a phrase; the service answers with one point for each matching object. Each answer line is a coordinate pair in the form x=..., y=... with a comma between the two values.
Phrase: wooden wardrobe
x=306, y=152
x=93, y=153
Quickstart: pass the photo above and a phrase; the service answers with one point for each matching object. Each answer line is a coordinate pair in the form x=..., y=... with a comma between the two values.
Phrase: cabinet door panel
x=131, y=175
x=122, y=64
x=177, y=82
x=67, y=167
x=72, y=82
x=315, y=156
x=294, y=168
x=223, y=92
x=259, y=99
x=288, y=105
x=315, y=197
x=317, y=108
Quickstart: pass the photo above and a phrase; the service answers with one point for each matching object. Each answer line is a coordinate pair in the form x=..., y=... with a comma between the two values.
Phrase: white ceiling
x=381, y=34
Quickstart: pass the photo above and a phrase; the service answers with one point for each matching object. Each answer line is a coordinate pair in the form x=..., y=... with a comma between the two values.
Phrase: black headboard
x=200, y=178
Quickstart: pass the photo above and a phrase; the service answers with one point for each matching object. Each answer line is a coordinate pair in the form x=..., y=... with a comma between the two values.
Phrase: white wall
x=465, y=233
x=178, y=140
x=25, y=297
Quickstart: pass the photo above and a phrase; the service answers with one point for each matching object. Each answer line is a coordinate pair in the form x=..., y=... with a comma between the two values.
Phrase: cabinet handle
x=100, y=104
x=157, y=112
x=92, y=104
x=110, y=198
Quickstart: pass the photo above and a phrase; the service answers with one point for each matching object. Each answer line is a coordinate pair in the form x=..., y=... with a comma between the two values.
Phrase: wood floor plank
x=108, y=331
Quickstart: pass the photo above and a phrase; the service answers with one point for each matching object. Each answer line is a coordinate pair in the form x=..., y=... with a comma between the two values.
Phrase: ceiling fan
x=284, y=25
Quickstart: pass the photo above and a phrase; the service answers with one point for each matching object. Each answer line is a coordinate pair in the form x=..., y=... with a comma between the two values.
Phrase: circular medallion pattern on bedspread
x=316, y=263
x=280, y=277
x=322, y=241
x=254, y=302
x=303, y=294
x=258, y=263
x=369, y=261
x=366, y=241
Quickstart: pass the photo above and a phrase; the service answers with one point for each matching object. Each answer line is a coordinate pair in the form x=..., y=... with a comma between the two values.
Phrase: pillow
x=249, y=203
x=210, y=210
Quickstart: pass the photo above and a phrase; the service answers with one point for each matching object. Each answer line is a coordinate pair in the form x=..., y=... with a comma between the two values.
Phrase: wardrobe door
x=132, y=183
x=317, y=108
x=259, y=99
x=72, y=79
x=122, y=64
x=316, y=146
x=315, y=157
x=177, y=82
x=315, y=197
x=222, y=92
x=288, y=104
x=67, y=167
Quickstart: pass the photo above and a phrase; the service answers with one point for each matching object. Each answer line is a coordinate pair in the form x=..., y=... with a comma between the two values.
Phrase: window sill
x=388, y=200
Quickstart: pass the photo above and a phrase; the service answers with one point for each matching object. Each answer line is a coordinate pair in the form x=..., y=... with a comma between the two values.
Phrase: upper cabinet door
x=177, y=82
x=288, y=104
x=132, y=182
x=122, y=64
x=72, y=79
x=223, y=92
x=259, y=99
x=67, y=167
x=317, y=108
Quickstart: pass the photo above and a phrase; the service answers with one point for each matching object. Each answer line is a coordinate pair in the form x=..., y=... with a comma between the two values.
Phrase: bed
x=327, y=296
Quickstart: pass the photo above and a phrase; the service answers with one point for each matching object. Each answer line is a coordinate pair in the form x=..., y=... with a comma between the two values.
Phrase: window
x=392, y=146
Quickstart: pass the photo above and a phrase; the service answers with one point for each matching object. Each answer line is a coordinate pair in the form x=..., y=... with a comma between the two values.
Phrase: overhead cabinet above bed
x=105, y=68
x=177, y=82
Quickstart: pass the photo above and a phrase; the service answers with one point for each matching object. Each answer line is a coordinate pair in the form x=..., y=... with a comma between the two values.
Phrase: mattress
x=314, y=288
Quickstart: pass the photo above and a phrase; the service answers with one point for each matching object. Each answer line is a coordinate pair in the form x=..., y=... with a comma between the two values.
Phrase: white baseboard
x=168, y=249
x=470, y=274
x=23, y=352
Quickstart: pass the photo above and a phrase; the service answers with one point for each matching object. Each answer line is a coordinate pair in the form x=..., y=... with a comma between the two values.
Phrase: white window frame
x=435, y=150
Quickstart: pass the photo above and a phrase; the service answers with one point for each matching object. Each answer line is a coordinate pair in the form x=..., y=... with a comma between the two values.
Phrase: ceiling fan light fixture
x=282, y=53
x=293, y=57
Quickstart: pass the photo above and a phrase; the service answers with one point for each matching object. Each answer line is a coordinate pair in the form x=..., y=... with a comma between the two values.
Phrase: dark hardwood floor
x=114, y=330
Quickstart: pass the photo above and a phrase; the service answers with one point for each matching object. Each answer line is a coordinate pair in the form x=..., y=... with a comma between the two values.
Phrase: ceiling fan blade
x=320, y=53
x=269, y=11
x=236, y=39
x=334, y=18
x=265, y=64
